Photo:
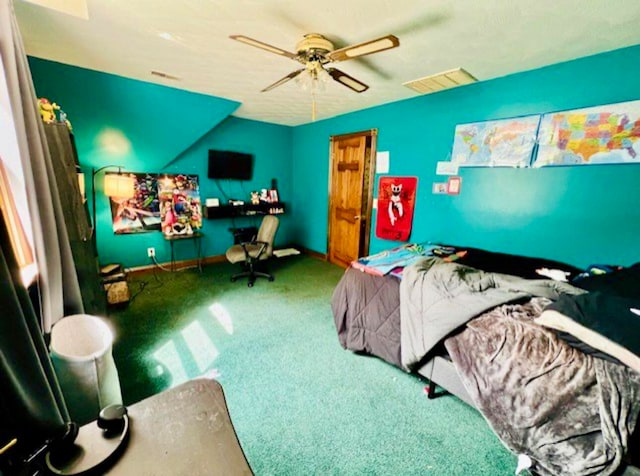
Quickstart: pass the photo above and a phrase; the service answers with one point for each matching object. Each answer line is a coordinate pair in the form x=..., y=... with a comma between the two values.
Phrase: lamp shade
x=119, y=186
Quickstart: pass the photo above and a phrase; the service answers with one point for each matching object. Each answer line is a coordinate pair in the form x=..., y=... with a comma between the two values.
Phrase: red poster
x=396, y=200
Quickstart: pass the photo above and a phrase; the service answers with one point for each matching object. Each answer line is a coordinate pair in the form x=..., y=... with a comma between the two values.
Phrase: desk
x=182, y=431
x=248, y=209
x=197, y=242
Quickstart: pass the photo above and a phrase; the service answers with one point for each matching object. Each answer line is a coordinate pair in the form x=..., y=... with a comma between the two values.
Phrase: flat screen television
x=225, y=164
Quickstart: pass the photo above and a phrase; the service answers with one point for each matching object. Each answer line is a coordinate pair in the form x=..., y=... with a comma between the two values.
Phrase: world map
x=505, y=142
x=597, y=135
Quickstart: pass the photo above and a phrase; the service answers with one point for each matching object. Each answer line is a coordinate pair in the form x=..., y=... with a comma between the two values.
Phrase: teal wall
x=150, y=128
x=581, y=215
x=271, y=146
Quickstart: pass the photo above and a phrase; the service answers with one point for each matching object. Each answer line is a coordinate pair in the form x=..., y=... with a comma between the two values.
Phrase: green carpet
x=299, y=402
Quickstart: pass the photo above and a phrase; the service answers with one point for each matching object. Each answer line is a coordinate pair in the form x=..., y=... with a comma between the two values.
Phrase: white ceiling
x=489, y=38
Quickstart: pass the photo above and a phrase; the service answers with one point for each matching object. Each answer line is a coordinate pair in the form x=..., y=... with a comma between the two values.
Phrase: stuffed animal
x=47, y=110
x=63, y=118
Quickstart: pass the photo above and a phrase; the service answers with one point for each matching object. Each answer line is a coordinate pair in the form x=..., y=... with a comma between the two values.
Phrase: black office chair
x=253, y=252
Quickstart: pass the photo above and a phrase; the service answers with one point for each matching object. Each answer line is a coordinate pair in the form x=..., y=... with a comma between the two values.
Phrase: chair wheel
x=250, y=284
x=233, y=279
x=271, y=278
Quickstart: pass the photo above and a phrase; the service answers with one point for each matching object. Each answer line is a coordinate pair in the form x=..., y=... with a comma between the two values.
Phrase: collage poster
x=140, y=213
x=180, y=207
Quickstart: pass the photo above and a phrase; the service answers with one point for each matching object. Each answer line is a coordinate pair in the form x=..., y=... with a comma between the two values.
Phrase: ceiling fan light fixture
x=315, y=51
x=304, y=81
x=313, y=79
x=313, y=42
x=321, y=80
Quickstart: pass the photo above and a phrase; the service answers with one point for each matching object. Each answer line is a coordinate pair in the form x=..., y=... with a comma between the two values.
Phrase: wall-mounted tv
x=225, y=164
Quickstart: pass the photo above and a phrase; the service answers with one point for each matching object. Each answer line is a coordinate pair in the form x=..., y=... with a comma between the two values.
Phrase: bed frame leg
x=431, y=390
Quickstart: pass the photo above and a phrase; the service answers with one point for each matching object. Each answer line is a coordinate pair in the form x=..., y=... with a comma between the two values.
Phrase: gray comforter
x=437, y=297
x=569, y=412
x=366, y=312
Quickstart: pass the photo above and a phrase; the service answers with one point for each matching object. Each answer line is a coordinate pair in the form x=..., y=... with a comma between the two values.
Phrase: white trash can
x=80, y=348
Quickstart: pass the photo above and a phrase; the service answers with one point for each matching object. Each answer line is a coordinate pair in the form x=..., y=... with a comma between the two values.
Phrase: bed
x=468, y=320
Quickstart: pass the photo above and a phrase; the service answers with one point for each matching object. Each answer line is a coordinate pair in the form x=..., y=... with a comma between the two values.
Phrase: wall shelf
x=232, y=211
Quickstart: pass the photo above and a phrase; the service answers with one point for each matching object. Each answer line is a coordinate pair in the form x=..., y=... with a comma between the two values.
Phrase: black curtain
x=31, y=405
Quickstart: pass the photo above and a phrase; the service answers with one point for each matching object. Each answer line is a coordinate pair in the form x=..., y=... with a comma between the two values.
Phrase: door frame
x=367, y=188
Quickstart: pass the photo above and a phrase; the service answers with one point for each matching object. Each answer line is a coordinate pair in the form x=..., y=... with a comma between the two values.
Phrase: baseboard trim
x=313, y=254
x=179, y=265
x=193, y=263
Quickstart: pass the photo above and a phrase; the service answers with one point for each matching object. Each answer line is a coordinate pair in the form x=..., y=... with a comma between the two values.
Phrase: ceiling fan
x=315, y=51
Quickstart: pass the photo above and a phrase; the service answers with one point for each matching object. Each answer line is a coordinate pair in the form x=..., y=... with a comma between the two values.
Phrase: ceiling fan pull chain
x=313, y=106
x=314, y=84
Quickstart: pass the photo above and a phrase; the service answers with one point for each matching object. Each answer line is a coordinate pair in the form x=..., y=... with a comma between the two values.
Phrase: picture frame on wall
x=454, y=185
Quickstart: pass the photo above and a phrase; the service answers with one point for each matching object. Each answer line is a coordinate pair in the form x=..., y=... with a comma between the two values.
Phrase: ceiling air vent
x=441, y=81
x=164, y=75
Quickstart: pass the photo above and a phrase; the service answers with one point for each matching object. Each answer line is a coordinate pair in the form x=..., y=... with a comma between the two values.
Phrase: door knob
x=357, y=217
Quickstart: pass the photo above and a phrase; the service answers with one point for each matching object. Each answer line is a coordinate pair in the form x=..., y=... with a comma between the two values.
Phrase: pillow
x=603, y=321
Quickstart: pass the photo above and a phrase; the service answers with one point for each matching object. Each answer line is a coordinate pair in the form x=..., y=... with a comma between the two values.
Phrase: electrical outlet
x=151, y=252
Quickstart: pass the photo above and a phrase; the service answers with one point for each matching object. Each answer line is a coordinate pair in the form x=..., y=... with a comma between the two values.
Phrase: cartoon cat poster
x=396, y=201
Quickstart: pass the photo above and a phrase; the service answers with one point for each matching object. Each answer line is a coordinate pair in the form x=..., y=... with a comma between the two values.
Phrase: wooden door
x=350, y=196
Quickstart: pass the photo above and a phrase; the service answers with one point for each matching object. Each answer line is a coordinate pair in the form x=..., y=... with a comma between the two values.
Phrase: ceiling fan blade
x=346, y=80
x=366, y=48
x=259, y=44
x=288, y=77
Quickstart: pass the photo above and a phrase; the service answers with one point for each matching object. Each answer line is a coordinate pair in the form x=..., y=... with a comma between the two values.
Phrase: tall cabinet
x=64, y=158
